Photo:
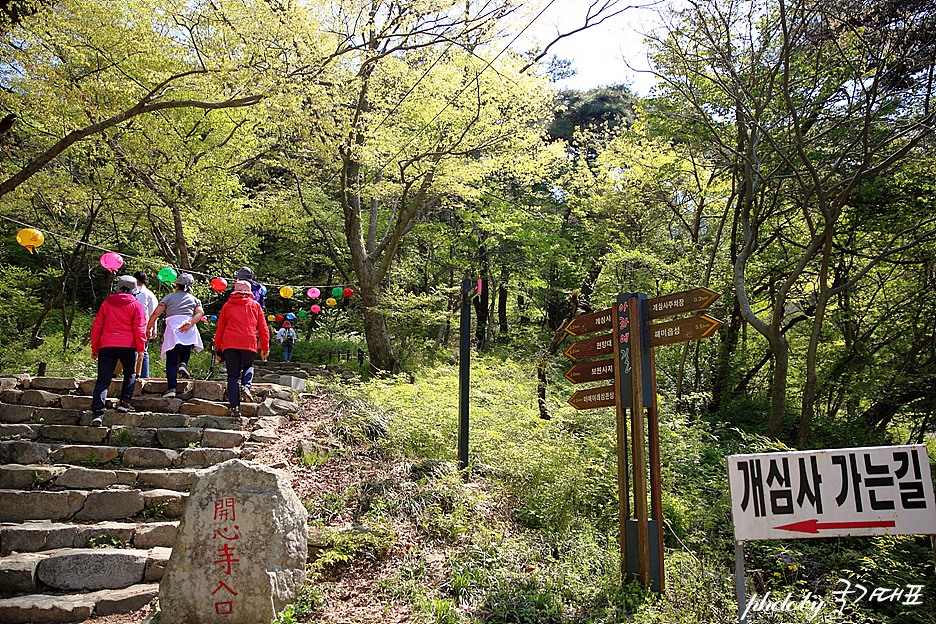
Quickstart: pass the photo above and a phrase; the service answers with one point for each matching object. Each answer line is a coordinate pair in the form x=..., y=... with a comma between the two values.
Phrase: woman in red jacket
x=118, y=334
x=240, y=325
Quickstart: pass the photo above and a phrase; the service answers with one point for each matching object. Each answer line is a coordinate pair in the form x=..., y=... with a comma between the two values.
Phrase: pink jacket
x=121, y=322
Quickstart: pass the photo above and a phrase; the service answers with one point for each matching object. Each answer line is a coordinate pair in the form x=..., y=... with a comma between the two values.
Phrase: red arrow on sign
x=814, y=526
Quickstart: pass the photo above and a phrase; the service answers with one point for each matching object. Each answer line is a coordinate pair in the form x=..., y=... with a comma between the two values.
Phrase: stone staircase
x=88, y=515
x=274, y=372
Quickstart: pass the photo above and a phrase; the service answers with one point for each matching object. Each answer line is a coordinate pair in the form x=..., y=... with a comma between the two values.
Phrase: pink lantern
x=204, y=319
x=313, y=293
x=316, y=309
x=111, y=261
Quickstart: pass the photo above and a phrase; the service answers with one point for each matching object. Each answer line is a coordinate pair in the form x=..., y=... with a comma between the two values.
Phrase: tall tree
x=806, y=100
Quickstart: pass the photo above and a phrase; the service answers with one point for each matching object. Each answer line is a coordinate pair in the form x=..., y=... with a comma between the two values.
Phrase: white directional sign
x=882, y=490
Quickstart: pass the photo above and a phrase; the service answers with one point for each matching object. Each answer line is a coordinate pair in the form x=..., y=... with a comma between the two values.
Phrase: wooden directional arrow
x=590, y=323
x=593, y=397
x=683, y=330
x=590, y=347
x=591, y=371
x=681, y=302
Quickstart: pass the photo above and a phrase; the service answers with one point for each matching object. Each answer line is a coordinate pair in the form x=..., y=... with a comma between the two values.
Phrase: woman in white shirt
x=183, y=310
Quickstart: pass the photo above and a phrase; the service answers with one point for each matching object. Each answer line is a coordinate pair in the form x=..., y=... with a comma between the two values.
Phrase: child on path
x=287, y=337
x=240, y=326
x=117, y=335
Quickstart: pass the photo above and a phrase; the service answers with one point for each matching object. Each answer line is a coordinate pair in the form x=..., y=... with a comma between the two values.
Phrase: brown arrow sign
x=591, y=371
x=593, y=397
x=683, y=330
x=683, y=302
x=591, y=347
x=590, y=323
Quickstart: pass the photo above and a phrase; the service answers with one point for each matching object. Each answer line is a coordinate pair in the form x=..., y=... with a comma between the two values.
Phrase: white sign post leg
x=740, y=590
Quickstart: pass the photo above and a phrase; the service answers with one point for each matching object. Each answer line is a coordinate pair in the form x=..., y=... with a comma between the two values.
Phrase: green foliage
x=105, y=541
x=343, y=548
x=309, y=600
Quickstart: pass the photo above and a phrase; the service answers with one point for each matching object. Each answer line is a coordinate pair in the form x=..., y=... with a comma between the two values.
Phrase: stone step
x=81, y=569
x=111, y=457
x=38, y=536
x=48, y=609
x=64, y=476
x=27, y=420
x=90, y=505
x=178, y=437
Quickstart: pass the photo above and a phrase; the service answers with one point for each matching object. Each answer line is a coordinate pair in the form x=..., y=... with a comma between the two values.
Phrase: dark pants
x=287, y=351
x=107, y=362
x=237, y=361
x=176, y=357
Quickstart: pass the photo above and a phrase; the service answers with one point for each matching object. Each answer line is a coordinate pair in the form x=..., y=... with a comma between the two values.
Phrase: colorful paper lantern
x=213, y=317
x=263, y=289
x=290, y=316
x=271, y=318
x=286, y=292
x=30, y=238
x=347, y=292
x=218, y=284
x=167, y=275
x=279, y=317
x=331, y=302
x=303, y=314
x=112, y=261
x=316, y=309
x=204, y=318
x=313, y=293
x=336, y=291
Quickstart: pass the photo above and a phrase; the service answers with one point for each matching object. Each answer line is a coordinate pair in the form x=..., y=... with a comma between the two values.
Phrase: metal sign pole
x=740, y=590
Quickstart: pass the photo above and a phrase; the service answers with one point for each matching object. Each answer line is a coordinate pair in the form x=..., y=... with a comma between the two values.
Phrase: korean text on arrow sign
x=593, y=397
x=590, y=323
x=682, y=302
x=591, y=371
x=882, y=490
x=590, y=347
x=672, y=304
x=683, y=330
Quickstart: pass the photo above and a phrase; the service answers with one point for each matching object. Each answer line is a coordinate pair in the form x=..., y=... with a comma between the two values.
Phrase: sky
x=610, y=53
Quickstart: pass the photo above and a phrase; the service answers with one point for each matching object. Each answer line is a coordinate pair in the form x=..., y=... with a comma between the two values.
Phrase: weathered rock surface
x=92, y=568
x=109, y=602
x=156, y=534
x=42, y=608
x=179, y=479
x=36, y=536
x=78, y=478
x=18, y=506
x=224, y=567
x=61, y=385
x=18, y=573
x=39, y=398
x=111, y=505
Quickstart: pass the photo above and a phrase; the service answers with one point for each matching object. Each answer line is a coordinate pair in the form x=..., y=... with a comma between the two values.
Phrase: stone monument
x=240, y=554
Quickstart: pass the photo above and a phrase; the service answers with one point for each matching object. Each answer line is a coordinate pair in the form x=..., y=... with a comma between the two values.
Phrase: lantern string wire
x=159, y=264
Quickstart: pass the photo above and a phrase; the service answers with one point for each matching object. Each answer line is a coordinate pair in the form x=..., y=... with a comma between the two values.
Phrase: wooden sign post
x=633, y=369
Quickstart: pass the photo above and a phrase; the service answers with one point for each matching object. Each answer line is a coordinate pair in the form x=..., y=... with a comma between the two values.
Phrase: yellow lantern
x=271, y=318
x=330, y=302
x=30, y=238
x=286, y=292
